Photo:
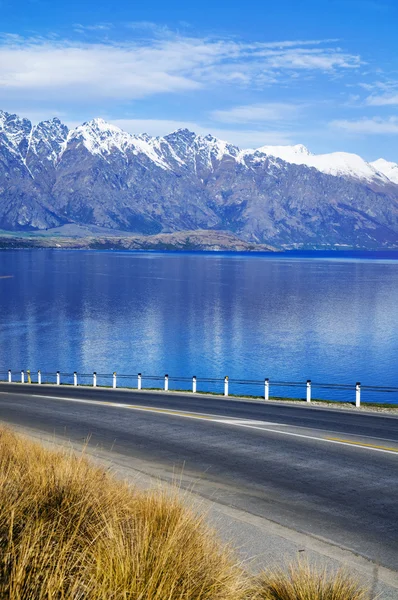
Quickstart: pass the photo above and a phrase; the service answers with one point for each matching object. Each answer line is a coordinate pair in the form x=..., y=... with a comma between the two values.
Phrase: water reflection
x=208, y=315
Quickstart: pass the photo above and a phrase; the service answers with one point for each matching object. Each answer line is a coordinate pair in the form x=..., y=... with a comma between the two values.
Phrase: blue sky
x=321, y=73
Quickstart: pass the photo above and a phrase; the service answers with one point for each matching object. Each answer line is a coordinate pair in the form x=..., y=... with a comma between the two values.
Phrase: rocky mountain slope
x=99, y=175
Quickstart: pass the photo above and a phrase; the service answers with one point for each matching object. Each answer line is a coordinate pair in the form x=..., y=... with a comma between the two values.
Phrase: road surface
x=329, y=473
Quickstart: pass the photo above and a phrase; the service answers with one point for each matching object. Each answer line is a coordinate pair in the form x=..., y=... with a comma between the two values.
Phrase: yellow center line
x=362, y=444
x=227, y=421
x=169, y=412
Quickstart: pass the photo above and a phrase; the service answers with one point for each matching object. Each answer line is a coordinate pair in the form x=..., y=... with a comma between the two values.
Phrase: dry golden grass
x=69, y=531
x=305, y=582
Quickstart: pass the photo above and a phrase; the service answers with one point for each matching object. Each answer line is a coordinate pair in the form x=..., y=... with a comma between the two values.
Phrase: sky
x=323, y=73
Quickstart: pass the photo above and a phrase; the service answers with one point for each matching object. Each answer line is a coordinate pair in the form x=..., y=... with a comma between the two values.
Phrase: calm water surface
x=330, y=318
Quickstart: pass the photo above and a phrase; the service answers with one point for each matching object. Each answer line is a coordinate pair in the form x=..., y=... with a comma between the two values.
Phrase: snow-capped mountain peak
x=99, y=175
x=50, y=131
x=220, y=148
x=344, y=164
x=47, y=139
x=197, y=151
x=102, y=138
x=99, y=137
x=339, y=164
x=181, y=148
x=17, y=131
x=287, y=153
x=388, y=168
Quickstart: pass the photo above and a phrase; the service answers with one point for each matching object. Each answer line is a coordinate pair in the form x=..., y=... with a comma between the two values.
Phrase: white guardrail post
x=226, y=385
x=358, y=394
x=308, y=390
x=266, y=389
x=166, y=384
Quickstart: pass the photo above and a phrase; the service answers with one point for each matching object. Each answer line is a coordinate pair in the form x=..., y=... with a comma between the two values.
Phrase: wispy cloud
x=327, y=59
x=140, y=68
x=99, y=27
x=96, y=70
x=149, y=28
x=371, y=126
x=383, y=100
x=381, y=93
x=257, y=113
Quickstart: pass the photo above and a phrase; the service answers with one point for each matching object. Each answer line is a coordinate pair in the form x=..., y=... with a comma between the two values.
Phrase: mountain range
x=98, y=176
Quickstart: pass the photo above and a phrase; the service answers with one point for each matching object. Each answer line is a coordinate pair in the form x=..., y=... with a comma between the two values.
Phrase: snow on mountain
x=182, y=148
x=99, y=175
x=99, y=137
x=17, y=132
x=150, y=147
x=297, y=154
x=219, y=148
x=340, y=164
x=389, y=169
x=44, y=139
x=200, y=153
x=102, y=138
x=47, y=138
x=187, y=143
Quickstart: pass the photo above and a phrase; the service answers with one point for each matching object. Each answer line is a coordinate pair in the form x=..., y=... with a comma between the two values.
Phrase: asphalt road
x=329, y=473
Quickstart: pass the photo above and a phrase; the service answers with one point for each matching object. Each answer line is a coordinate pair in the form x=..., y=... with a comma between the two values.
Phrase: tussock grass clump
x=305, y=582
x=70, y=531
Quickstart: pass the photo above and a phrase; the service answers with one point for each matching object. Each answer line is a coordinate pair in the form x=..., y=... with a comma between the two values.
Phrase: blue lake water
x=331, y=318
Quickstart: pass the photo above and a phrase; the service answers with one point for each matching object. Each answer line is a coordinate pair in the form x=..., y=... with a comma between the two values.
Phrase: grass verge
x=70, y=531
x=302, y=581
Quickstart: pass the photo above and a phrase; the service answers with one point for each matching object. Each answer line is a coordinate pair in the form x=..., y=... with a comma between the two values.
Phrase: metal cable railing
x=222, y=385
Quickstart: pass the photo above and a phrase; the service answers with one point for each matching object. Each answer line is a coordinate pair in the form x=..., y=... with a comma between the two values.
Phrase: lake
x=328, y=317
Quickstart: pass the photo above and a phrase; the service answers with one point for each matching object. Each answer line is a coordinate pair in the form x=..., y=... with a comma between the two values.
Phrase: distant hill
x=97, y=175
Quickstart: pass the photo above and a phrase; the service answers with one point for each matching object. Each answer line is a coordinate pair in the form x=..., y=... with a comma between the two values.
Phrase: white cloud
x=150, y=28
x=383, y=100
x=96, y=27
x=295, y=43
x=372, y=126
x=243, y=138
x=93, y=70
x=310, y=58
x=381, y=93
x=79, y=72
x=256, y=113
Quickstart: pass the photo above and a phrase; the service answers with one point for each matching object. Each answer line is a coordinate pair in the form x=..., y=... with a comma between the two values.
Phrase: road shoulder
x=259, y=541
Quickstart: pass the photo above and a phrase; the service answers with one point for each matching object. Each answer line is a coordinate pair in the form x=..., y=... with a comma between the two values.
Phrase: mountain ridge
x=98, y=174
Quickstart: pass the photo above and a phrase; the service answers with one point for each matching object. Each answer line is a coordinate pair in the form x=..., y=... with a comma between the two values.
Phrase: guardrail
x=190, y=383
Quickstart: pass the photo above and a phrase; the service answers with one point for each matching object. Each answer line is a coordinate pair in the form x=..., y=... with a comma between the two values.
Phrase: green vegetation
x=70, y=531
